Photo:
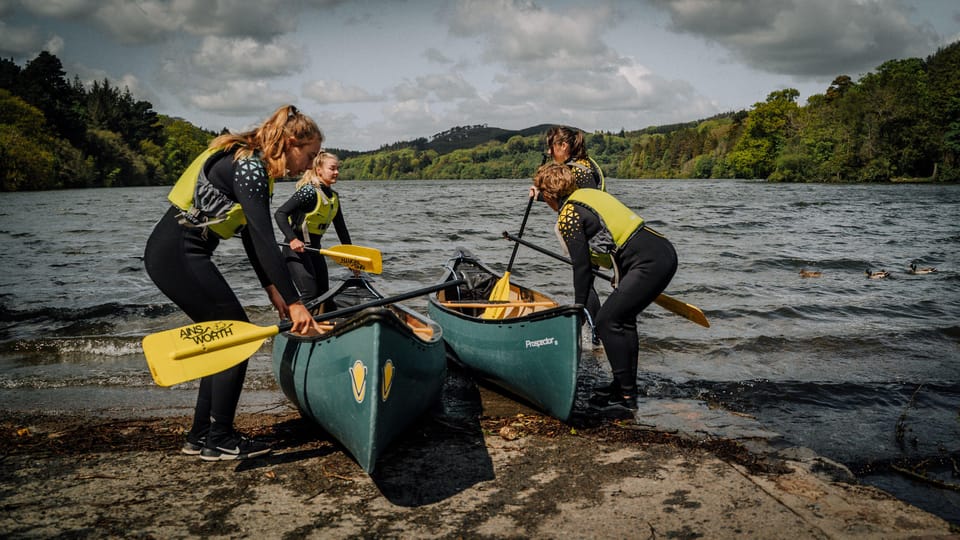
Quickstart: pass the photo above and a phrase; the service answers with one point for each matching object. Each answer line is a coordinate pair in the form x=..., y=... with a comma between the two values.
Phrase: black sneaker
x=233, y=446
x=602, y=394
x=194, y=443
x=615, y=402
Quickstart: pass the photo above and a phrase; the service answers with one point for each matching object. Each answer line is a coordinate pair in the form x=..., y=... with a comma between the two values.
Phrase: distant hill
x=455, y=138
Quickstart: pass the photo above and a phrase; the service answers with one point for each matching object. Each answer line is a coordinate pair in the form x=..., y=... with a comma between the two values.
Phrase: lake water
x=866, y=372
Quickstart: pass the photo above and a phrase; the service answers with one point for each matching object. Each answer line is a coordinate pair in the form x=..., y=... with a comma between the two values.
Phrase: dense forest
x=899, y=122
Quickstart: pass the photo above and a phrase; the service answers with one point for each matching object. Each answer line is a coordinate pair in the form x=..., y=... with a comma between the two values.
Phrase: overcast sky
x=377, y=72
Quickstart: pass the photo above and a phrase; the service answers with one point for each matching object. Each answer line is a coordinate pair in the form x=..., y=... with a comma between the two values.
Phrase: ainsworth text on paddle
x=203, y=333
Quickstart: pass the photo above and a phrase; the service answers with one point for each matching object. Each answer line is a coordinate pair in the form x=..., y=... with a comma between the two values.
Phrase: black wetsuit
x=308, y=269
x=178, y=260
x=586, y=174
x=645, y=264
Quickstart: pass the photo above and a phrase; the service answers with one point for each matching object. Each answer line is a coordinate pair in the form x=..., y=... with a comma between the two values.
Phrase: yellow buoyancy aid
x=619, y=223
x=202, y=204
x=319, y=219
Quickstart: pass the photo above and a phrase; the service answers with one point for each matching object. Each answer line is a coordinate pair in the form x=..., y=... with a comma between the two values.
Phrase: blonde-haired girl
x=303, y=220
x=226, y=191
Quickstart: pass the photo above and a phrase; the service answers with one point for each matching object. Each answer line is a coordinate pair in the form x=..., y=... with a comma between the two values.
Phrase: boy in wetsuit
x=596, y=228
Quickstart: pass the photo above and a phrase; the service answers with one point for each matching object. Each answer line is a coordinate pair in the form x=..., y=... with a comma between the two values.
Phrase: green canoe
x=532, y=350
x=366, y=379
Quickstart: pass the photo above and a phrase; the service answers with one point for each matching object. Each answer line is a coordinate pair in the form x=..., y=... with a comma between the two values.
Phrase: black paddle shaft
x=283, y=327
x=523, y=225
x=556, y=256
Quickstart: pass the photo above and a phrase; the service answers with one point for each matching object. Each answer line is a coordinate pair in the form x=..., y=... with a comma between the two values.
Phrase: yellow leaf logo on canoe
x=388, y=371
x=358, y=376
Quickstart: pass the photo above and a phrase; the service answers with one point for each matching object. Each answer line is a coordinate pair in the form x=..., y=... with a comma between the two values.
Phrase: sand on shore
x=517, y=474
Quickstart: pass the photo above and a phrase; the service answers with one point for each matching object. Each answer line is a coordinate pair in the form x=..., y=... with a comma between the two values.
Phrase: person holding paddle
x=566, y=145
x=225, y=191
x=596, y=228
x=304, y=218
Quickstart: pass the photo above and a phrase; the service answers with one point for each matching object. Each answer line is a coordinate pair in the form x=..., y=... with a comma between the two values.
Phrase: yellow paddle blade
x=197, y=350
x=354, y=257
x=683, y=309
x=500, y=293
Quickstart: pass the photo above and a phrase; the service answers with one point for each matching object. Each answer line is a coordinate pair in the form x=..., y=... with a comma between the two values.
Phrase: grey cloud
x=521, y=35
x=445, y=87
x=241, y=98
x=805, y=38
x=247, y=57
x=436, y=56
x=20, y=41
x=328, y=92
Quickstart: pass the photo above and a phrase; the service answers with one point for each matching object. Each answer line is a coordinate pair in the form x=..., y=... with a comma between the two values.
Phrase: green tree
x=766, y=130
x=27, y=159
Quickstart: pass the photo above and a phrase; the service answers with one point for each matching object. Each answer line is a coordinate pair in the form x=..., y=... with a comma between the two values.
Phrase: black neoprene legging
x=647, y=263
x=309, y=272
x=179, y=261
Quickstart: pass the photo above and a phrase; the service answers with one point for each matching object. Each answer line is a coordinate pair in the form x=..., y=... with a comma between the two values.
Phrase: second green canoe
x=532, y=350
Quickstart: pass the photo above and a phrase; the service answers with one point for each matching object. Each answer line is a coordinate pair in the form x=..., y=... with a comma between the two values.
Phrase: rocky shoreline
x=507, y=472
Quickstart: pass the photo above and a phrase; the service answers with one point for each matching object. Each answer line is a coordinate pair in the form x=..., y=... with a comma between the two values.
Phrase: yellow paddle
x=197, y=350
x=688, y=311
x=501, y=289
x=354, y=257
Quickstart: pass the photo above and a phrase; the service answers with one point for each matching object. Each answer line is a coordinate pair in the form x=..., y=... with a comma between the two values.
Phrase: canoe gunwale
x=393, y=314
x=383, y=315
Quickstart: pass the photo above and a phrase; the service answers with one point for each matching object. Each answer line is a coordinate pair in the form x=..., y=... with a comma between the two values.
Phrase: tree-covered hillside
x=901, y=121
x=60, y=134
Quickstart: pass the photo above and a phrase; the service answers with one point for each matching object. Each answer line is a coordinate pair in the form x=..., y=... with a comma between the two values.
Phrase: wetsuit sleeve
x=301, y=202
x=570, y=224
x=252, y=190
x=338, y=222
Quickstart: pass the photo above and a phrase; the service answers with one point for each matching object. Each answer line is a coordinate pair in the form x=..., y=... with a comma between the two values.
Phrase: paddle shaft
x=263, y=332
x=683, y=309
x=334, y=253
x=556, y=256
x=283, y=327
x=523, y=225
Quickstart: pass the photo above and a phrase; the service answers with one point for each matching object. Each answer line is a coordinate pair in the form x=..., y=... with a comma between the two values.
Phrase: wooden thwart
x=492, y=304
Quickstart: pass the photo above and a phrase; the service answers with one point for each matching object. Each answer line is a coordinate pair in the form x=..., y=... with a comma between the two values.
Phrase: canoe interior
x=480, y=280
x=359, y=290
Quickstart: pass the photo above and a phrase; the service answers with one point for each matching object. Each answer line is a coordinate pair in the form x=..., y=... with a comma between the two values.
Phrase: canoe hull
x=535, y=355
x=364, y=382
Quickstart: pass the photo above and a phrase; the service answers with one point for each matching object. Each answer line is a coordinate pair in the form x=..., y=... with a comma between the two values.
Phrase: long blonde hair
x=310, y=176
x=270, y=138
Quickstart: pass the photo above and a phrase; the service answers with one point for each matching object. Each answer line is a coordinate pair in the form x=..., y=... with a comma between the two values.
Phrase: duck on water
x=920, y=271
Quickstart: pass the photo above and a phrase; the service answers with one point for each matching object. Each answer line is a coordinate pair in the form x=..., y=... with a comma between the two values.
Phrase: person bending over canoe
x=227, y=190
x=566, y=145
x=596, y=228
x=305, y=217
